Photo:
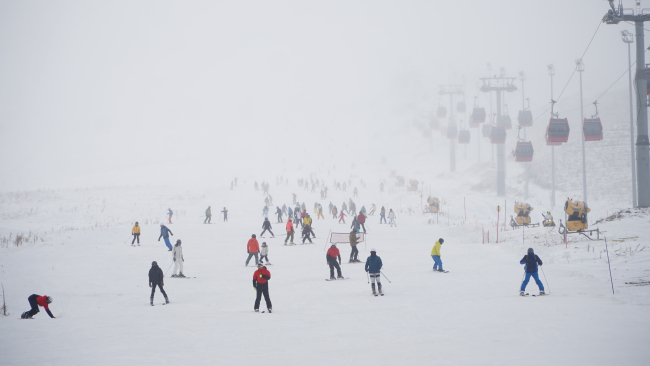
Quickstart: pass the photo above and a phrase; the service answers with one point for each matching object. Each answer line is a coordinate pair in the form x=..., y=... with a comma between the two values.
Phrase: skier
x=334, y=212
x=294, y=198
x=391, y=218
x=156, y=279
x=225, y=214
x=373, y=208
x=261, y=279
x=164, y=233
x=266, y=226
x=435, y=254
x=344, y=207
x=35, y=301
x=170, y=213
x=342, y=217
x=355, y=224
x=290, y=232
x=353, y=243
x=382, y=215
x=265, y=211
x=356, y=192
x=306, y=230
x=136, y=233
x=208, y=216
x=331, y=256
x=278, y=212
x=330, y=207
x=264, y=253
x=362, y=219
x=373, y=267
x=320, y=212
x=178, y=259
x=531, y=261
x=289, y=212
x=252, y=248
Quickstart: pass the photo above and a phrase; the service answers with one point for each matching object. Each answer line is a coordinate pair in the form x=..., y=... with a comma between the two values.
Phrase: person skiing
x=252, y=248
x=320, y=212
x=355, y=224
x=331, y=256
x=278, y=212
x=178, y=259
x=382, y=215
x=335, y=212
x=261, y=279
x=208, y=216
x=356, y=192
x=391, y=218
x=353, y=243
x=136, y=234
x=264, y=253
x=294, y=198
x=289, y=212
x=266, y=225
x=330, y=207
x=373, y=267
x=307, y=221
x=265, y=211
x=225, y=214
x=531, y=261
x=362, y=219
x=35, y=301
x=344, y=207
x=373, y=208
x=156, y=278
x=342, y=217
x=306, y=231
x=435, y=254
x=290, y=232
x=170, y=213
x=164, y=233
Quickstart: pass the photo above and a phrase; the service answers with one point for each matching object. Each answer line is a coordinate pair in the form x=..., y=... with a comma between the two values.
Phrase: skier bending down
x=331, y=256
x=261, y=279
x=531, y=260
x=35, y=301
x=373, y=266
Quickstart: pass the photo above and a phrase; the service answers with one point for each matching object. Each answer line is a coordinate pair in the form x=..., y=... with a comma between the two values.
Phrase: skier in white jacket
x=178, y=259
x=391, y=218
x=264, y=253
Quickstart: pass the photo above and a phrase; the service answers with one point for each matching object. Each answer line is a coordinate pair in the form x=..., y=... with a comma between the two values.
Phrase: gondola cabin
x=524, y=151
x=498, y=135
x=592, y=129
x=460, y=107
x=557, y=131
x=478, y=115
x=452, y=130
x=525, y=118
x=486, y=130
x=463, y=137
x=504, y=121
x=442, y=112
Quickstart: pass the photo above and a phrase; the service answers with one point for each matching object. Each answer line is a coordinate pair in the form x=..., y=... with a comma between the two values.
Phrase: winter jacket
x=361, y=218
x=289, y=226
x=373, y=264
x=261, y=276
x=266, y=225
x=264, y=250
x=155, y=275
x=383, y=211
x=332, y=254
x=42, y=301
x=436, y=249
x=531, y=261
x=307, y=220
x=306, y=229
x=178, y=253
x=391, y=215
x=164, y=232
x=170, y=212
x=208, y=212
x=253, y=246
x=135, y=230
x=353, y=239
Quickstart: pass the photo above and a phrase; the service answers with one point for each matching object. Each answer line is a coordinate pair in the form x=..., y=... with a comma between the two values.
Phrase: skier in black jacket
x=156, y=278
x=266, y=226
x=306, y=231
x=278, y=212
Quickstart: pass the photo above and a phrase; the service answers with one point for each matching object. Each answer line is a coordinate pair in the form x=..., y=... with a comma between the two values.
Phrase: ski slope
x=471, y=315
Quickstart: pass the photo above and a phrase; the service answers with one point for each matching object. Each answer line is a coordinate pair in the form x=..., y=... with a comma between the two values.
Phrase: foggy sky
x=92, y=92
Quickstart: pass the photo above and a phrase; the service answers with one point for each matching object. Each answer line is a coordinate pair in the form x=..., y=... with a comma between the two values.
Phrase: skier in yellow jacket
x=136, y=234
x=435, y=254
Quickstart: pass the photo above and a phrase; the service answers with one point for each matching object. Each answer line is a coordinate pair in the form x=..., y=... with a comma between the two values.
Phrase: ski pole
x=385, y=276
x=547, y=285
x=610, y=266
x=170, y=266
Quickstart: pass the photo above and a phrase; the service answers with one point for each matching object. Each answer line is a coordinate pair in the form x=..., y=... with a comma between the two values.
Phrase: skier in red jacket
x=362, y=220
x=290, y=232
x=331, y=256
x=252, y=248
x=261, y=279
x=35, y=301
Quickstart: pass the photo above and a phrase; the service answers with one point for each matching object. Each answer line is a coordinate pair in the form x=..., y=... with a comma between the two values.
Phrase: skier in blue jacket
x=164, y=233
x=531, y=260
x=373, y=267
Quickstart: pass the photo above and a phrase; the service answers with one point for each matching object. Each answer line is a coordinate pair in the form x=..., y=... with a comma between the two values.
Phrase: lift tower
x=452, y=90
x=499, y=84
x=614, y=16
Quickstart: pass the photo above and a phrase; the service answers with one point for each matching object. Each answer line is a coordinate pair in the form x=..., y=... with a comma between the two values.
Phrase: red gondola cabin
x=524, y=151
x=478, y=115
x=525, y=118
x=498, y=135
x=557, y=131
x=592, y=129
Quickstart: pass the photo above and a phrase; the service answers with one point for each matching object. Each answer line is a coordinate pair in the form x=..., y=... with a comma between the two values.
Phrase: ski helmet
x=154, y=263
x=373, y=250
x=49, y=299
x=263, y=243
x=441, y=240
x=136, y=222
x=260, y=264
x=178, y=242
x=254, y=236
x=530, y=251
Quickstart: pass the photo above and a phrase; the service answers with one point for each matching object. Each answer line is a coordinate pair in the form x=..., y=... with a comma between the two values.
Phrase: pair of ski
x=335, y=279
x=376, y=294
x=527, y=294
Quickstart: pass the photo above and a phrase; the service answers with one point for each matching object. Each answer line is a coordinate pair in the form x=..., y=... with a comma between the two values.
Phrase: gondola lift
x=524, y=150
x=525, y=117
x=592, y=128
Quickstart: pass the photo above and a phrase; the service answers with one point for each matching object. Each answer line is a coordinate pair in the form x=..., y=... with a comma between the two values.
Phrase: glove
x=254, y=288
x=366, y=270
x=149, y=285
x=260, y=276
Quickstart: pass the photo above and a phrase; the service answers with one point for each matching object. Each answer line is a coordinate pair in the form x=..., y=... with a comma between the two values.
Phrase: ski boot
x=373, y=290
x=181, y=275
x=25, y=315
x=257, y=310
x=174, y=275
x=151, y=302
x=521, y=293
x=332, y=278
x=166, y=301
x=339, y=276
x=270, y=310
x=379, y=289
x=542, y=293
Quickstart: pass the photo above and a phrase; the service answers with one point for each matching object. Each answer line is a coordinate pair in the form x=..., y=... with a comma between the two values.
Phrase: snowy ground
x=469, y=316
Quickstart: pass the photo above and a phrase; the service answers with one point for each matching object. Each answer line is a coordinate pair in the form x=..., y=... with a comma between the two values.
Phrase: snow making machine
x=523, y=216
x=576, y=219
x=433, y=205
x=413, y=185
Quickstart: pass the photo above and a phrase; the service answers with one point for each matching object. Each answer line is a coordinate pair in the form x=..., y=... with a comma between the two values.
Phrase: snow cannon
x=576, y=215
x=434, y=204
x=523, y=213
x=413, y=185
